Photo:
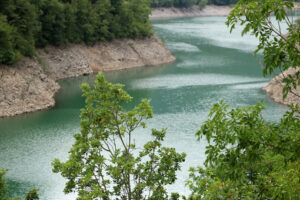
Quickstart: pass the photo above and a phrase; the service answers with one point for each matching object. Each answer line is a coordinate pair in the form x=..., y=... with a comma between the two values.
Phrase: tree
x=104, y=18
x=52, y=22
x=7, y=53
x=25, y=25
x=202, y=3
x=135, y=19
x=22, y=16
x=248, y=157
x=279, y=46
x=31, y=195
x=104, y=162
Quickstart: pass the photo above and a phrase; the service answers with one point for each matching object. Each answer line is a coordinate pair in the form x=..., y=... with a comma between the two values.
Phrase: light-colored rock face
x=124, y=54
x=275, y=86
x=30, y=84
x=76, y=60
x=25, y=88
x=209, y=10
x=65, y=62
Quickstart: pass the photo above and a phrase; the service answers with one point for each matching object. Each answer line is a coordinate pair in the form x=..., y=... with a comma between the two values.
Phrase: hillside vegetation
x=27, y=24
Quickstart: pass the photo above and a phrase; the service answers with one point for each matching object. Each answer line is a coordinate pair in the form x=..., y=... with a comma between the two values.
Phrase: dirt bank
x=210, y=10
x=275, y=86
x=30, y=85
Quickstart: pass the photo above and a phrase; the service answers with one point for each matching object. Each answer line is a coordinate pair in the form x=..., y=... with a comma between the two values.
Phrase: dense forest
x=27, y=24
x=189, y=3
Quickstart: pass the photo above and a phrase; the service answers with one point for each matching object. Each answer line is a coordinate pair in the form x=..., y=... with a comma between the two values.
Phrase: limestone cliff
x=30, y=85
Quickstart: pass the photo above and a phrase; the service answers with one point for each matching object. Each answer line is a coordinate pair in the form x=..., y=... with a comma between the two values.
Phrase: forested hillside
x=27, y=24
x=189, y=3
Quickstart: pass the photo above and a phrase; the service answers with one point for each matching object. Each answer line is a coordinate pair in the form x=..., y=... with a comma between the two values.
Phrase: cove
x=211, y=65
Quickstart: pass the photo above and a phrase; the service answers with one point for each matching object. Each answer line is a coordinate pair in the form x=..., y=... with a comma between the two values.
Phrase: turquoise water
x=211, y=65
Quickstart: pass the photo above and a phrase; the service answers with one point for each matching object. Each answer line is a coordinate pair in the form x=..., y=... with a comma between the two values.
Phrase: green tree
x=22, y=16
x=52, y=22
x=202, y=3
x=86, y=20
x=70, y=31
x=31, y=195
x=279, y=46
x=104, y=162
x=248, y=157
x=7, y=52
x=135, y=19
x=27, y=24
x=104, y=17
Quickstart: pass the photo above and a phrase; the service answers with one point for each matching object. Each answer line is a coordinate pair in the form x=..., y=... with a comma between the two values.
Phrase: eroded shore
x=275, y=86
x=195, y=11
x=30, y=85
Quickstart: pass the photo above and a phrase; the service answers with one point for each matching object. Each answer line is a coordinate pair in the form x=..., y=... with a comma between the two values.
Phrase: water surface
x=211, y=65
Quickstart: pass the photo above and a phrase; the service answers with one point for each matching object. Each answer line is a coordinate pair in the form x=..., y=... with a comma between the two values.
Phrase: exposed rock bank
x=25, y=88
x=30, y=85
x=210, y=10
x=275, y=86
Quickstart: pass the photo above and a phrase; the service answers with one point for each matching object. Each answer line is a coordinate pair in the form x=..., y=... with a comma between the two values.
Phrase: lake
x=211, y=65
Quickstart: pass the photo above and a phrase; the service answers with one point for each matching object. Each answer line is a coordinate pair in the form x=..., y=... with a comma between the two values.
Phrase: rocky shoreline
x=30, y=85
x=275, y=86
x=195, y=11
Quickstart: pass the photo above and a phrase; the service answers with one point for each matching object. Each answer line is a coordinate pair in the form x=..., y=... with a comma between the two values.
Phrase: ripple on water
x=214, y=31
x=204, y=62
x=249, y=86
x=177, y=81
x=181, y=46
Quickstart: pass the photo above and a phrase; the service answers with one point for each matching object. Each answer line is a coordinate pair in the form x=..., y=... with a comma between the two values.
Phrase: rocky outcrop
x=25, y=88
x=275, y=86
x=120, y=54
x=30, y=85
x=195, y=11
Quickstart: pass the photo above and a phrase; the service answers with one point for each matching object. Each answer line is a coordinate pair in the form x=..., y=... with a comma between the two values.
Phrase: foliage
x=202, y=4
x=31, y=195
x=104, y=162
x=246, y=158
x=280, y=49
x=26, y=24
x=52, y=21
x=7, y=52
x=298, y=21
